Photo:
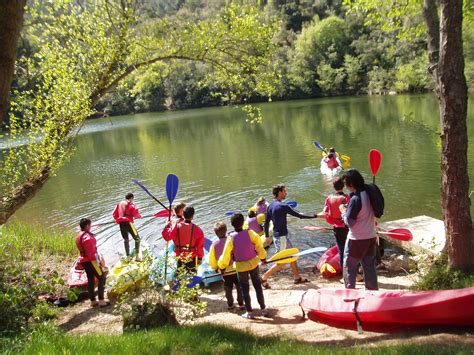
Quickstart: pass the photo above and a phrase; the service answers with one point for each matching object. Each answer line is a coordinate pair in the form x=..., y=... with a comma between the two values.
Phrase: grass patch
x=440, y=277
x=25, y=242
x=200, y=339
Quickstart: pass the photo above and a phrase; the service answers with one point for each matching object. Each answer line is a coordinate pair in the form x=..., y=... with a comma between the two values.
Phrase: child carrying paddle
x=247, y=250
x=230, y=275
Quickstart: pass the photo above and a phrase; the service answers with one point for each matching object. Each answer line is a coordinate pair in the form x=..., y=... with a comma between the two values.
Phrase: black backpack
x=376, y=199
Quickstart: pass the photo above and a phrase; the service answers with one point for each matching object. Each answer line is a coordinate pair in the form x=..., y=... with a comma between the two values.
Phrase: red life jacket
x=185, y=243
x=79, y=246
x=334, y=216
x=125, y=211
x=332, y=163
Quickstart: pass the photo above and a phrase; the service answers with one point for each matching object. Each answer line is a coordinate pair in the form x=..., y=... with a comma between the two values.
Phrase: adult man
x=361, y=241
x=124, y=214
x=277, y=213
x=188, y=241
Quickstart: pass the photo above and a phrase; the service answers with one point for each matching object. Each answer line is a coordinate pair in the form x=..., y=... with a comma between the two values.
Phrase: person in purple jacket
x=361, y=243
x=277, y=213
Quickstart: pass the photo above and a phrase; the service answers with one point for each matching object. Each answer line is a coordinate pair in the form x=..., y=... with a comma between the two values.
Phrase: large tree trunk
x=447, y=68
x=11, y=22
x=21, y=195
x=452, y=89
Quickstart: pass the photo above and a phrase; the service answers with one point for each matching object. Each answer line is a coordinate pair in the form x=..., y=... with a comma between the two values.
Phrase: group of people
x=237, y=255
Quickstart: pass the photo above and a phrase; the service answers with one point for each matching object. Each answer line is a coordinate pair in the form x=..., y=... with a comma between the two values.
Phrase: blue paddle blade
x=207, y=244
x=292, y=204
x=230, y=213
x=195, y=280
x=312, y=250
x=136, y=182
x=317, y=145
x=172, y=184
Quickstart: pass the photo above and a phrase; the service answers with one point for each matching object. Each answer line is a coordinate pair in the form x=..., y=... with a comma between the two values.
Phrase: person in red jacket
x=177, y=217
x=333, y=215
x=124, y=214
x=188, y=241
x=92, y=263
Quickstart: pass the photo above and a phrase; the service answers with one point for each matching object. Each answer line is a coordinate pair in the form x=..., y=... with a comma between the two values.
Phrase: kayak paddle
x=318, y=146
x=292, y=204
x=162, y=213
x=375, y=159
x=401, y=234
x=282, y=257
x=172, y=184
x=135, y=181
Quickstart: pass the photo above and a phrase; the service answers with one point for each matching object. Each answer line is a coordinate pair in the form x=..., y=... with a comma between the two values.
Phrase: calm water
x=225, y=164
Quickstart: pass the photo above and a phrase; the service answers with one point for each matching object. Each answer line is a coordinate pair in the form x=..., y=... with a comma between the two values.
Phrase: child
x=261, y=206
x=333, y=215
x=230, y=275
x=124, y=214
x=255, y=222
x=247, y=250
x=91, y=262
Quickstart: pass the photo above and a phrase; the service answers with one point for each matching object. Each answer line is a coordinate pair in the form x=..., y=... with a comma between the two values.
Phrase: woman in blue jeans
x=361, y=241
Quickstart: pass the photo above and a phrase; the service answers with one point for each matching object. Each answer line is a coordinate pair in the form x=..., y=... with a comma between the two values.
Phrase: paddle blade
x=195, y=280
x=375, y=159
x=315, y=228
x=230, y=213
x=139, y=184
x=292, y=204
x=317, y=145
x=401, y=234
x=207, y=244
x=285, y=256
x=172, y=184
x=311, y=251
x=162, y=213
x=345, y=157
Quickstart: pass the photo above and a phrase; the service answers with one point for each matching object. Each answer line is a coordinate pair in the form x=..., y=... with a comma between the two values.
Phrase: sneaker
x=266, y=313
x=248, y=315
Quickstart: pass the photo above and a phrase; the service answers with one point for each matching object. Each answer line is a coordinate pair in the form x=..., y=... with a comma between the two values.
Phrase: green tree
x=320, y=42
x=87, y=50
x=443, y=28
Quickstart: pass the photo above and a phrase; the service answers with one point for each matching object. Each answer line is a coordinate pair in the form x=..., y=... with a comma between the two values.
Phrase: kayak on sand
x=388, y=310
x=329, y=264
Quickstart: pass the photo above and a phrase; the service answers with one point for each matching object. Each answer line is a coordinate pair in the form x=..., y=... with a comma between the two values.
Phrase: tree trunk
x=11, y=22
x=452, y=96
x=21, y=195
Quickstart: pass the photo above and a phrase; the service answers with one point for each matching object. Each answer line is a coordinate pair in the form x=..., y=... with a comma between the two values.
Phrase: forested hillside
x=321, y=50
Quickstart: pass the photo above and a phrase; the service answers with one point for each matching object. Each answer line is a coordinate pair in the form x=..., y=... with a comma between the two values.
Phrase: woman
x=92, y=263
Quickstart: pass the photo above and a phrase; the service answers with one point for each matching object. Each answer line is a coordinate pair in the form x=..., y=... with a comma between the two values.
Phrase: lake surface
x=224, y=163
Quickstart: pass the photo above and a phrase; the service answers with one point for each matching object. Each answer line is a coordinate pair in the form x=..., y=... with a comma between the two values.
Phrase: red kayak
x=386, y=310
x=77, y=275
x=329, y=264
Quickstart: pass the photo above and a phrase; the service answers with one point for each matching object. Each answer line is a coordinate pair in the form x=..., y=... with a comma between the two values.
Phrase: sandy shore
x=287, y=321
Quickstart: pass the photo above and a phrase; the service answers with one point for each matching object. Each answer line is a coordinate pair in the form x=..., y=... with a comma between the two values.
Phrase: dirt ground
x=287, y=321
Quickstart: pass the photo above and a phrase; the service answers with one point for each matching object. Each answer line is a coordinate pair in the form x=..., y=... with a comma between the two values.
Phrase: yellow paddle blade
x=324, y=154
x=346, y=165
x=287, y=253
x=345, y=157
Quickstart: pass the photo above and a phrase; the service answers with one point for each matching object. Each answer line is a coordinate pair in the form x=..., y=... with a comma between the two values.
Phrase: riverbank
x=80, y=329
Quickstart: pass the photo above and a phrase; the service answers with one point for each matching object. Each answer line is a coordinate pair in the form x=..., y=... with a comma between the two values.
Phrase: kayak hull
x=329, y=264
x=387, y=310
x=77, y=275
x=325, y=170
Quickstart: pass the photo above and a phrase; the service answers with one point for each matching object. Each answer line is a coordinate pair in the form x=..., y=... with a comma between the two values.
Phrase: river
x=224, y=163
